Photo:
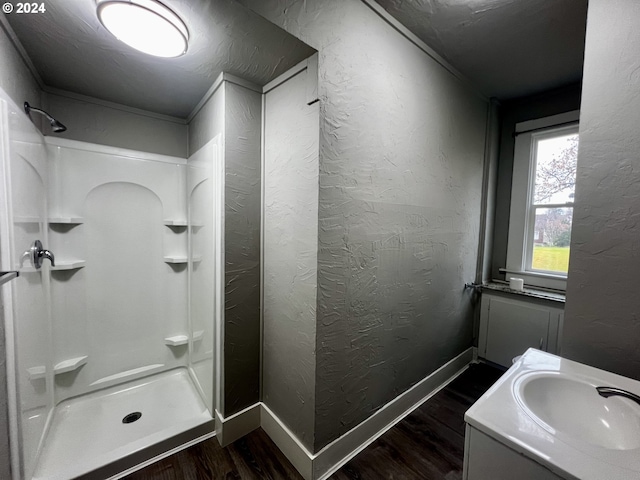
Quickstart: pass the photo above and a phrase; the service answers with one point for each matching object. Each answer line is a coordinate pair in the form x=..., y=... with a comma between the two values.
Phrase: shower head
x=56, y=126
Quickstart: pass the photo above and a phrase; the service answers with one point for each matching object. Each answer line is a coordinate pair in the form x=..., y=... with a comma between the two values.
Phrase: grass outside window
x=550, y=259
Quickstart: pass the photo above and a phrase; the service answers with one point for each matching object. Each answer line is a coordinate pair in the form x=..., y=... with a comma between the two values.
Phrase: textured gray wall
x=602, y=319
x=242, y=206
x=401, y=152
x=236, y=112
x=15, y=78
x=290, y=256
x=208, y=122
x=542, y=105
x=95, y=123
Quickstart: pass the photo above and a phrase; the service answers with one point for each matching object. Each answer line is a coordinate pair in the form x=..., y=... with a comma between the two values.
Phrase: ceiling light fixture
x=146, y=25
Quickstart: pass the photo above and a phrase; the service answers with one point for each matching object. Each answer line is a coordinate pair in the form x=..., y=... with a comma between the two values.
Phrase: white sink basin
x=570, y=408
x=546, y=409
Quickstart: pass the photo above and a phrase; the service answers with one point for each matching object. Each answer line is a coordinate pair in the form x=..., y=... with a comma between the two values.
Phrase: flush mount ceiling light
x=146, y=25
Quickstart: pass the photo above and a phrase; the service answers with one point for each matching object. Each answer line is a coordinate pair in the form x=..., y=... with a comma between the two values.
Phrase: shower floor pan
x=100, y=429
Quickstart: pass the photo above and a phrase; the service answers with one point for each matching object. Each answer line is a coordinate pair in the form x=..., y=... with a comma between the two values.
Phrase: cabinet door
x=513, y=327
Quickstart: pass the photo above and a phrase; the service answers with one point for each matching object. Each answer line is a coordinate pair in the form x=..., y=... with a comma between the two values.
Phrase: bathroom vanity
x=546, y=419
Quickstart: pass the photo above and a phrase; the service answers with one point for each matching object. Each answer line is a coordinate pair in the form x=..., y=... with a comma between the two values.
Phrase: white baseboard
x=344, y=448
x=327, y=461
x=236, y=426
x=321, y=465
x=287, y=442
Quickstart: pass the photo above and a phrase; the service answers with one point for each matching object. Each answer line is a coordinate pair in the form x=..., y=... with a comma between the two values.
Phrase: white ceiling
x=509, y=48
x=71, y=50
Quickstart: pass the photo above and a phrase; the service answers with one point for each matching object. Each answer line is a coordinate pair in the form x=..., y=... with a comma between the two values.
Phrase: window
x=543, y=190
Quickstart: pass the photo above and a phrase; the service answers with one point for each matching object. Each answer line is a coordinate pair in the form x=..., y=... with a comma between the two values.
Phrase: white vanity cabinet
x=488, y=459
x=509, y=325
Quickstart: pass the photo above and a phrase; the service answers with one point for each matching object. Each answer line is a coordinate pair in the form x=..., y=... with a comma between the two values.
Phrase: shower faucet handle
x=48, y=255
x=37, y=253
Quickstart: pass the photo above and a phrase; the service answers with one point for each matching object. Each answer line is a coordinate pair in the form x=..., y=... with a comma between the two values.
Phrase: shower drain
x=132, y=417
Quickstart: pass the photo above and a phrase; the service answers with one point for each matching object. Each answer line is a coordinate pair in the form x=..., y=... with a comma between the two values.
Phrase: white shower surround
x=120, y=297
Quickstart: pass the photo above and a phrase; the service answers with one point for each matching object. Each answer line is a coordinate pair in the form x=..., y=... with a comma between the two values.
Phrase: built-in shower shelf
x=176, y=259
x=182, y=223
x=176, y=223
x=26, y=219
x=61, y=265
x=66, y=220
x=70, y=365
x=68, y=265
x=177, y=340
x=54, y=219
x=181, y=258
x=36, y=373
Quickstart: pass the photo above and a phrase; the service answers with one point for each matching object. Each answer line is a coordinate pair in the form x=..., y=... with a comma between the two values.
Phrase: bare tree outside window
x=558, y=174
x=555, y=181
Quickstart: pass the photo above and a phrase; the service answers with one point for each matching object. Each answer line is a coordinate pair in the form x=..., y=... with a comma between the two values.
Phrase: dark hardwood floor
x=428, y=444
x=254, y=456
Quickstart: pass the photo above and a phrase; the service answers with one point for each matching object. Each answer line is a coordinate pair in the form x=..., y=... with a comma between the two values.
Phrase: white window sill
x=550, y=276
x=543, y=281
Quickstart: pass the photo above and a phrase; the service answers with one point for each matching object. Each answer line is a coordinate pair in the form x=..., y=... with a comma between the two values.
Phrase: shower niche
x=114, y=345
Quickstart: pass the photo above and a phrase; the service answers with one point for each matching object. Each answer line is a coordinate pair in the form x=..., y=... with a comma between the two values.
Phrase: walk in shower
x=145, y=216
x=113, y=335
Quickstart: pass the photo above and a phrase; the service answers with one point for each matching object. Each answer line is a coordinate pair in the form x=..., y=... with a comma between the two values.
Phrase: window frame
x=522, y=212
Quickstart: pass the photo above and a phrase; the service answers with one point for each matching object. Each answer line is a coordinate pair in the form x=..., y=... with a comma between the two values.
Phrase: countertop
x=527, y=292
